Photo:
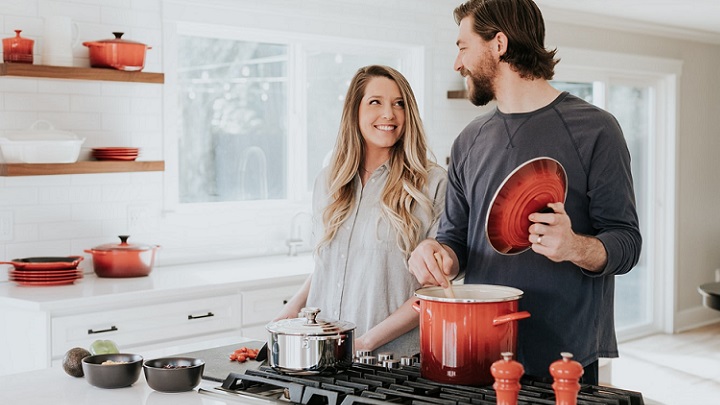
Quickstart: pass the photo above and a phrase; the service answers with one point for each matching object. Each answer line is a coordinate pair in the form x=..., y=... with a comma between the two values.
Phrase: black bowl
x=122, y=369
x=173, y=374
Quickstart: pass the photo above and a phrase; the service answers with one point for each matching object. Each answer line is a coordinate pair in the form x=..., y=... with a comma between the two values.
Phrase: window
x=259, y=116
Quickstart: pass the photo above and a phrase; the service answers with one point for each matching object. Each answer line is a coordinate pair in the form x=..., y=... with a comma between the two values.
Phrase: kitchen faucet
x=296, y=235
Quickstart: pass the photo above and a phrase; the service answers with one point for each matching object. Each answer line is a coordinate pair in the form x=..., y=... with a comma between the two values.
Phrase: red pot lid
x=116, y=40
x=527, y=189
x=124, y=246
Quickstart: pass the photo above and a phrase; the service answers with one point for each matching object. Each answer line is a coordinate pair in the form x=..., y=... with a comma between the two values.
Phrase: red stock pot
x=461, y=337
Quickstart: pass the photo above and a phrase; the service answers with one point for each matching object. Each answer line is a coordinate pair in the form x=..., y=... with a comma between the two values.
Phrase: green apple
x=103, y=347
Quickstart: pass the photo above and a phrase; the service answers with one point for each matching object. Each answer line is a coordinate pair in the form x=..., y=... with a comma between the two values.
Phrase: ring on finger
x=539, y=241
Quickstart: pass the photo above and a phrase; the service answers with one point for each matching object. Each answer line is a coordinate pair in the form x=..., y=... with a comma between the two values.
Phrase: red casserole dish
x=46, y=263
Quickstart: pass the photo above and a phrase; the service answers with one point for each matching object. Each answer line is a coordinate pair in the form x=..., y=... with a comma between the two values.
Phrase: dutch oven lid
x=307, y=324
x=123, y=246
x=478, y=293
x=117, y=40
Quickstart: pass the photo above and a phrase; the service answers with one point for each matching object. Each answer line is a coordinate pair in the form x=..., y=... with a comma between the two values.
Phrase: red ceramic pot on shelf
x=18, y=49
x=117, y=53
x=123, y=259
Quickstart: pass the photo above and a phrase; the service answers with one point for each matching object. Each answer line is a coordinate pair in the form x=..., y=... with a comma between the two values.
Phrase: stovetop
x=376, y=385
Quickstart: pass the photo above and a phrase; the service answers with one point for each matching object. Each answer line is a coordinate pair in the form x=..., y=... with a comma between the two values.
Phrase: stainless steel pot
x=307, y=345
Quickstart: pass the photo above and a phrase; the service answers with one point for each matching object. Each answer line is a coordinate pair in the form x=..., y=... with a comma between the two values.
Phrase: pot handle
x=416, y=306
x=515, y=316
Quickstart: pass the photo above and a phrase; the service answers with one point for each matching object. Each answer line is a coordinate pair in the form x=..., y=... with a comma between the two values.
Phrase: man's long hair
x=522, y=22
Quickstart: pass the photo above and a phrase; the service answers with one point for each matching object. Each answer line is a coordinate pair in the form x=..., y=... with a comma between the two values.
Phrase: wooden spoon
x=449, y=293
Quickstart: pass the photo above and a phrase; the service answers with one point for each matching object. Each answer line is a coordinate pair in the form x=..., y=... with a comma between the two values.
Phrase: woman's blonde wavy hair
x=409, y=165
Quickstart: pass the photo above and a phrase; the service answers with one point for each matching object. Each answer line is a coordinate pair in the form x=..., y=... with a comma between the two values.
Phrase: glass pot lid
x=307, y=324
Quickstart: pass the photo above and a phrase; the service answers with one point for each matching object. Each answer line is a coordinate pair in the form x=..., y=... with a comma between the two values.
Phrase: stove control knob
x=507, y=373
x=566, y=372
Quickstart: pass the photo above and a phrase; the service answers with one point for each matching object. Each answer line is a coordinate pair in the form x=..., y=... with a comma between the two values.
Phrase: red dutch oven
x=123, y=259
x=117, y=53
x=461, y=337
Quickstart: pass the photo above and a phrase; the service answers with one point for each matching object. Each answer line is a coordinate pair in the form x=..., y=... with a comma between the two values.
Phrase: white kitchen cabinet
x=175, y=309
x=260, y=307
x=135, y=328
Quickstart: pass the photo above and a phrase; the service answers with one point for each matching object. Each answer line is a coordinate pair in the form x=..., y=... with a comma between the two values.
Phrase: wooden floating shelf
x=91, y=166
x=457, y=94
x=78, y=73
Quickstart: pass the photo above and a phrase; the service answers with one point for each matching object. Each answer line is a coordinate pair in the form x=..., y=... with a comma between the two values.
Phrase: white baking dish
x=40, y=145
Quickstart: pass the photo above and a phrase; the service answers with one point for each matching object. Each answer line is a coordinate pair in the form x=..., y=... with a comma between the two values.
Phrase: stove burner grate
x=375, y=385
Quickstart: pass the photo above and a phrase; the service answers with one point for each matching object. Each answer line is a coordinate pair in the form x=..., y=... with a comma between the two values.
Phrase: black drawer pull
x=209, y=314
x=112, y=329
x=284, y=302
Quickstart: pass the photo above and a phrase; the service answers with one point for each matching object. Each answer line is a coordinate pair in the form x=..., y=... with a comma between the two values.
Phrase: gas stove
x=376, y=385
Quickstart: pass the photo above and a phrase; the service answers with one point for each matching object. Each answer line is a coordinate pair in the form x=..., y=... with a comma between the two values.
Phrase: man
x=577, y=249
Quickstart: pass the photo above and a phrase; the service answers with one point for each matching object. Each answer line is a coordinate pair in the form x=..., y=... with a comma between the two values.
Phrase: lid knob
x=310, y=313
x=566, y=372
x=507, y=373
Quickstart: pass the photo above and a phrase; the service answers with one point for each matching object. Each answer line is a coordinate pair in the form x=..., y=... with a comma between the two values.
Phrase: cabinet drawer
x=261, y=306
x=145, y=324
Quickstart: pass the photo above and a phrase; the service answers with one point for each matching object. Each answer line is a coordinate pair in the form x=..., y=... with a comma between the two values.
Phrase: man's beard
x=481, y=91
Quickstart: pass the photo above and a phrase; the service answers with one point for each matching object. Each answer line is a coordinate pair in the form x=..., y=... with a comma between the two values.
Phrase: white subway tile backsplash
x=11, y=196
x=78, y=11
x=130, y=18
x=18, y=85
x=59, y=247
x=69, y=194
x=68, y=87
x=17, y=120
x=18, y=7
x=115, y=105
x=69, y=229
x=36, y=214
x=74, y=121
x=99, y=211
x=100, y=179
x=132, y=90
x=132, y=192
x=25, y=233
x=151, y=106
x=149, y=5
x=36, y=102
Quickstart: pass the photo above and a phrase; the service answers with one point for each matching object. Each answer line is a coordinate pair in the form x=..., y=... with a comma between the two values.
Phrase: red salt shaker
x=566, y=372
x=507, y=373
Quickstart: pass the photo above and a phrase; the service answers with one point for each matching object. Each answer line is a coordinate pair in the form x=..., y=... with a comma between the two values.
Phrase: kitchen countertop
x=168, y=280
x=53, y=386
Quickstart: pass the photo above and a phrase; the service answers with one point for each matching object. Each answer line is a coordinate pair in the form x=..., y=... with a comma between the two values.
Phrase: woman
x=378, y=198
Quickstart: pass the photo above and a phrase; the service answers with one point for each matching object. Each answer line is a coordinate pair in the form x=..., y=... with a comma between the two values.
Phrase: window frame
x=298, y=197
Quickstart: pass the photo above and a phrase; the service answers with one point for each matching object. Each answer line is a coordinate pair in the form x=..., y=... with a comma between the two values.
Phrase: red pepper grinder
x=507, y=373
x=567, y=373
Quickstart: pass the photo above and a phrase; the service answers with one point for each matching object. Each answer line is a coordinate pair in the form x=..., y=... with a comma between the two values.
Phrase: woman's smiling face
x=381, y=114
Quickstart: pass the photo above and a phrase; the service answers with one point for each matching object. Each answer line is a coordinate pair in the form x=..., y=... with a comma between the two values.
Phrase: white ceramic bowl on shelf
x=42, y=143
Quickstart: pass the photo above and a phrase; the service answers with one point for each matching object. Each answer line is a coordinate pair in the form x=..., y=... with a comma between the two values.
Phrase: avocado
x=72, y=362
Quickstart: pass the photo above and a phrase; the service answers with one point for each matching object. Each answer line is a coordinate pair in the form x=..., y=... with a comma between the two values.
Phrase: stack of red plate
x=38, y=271
x=115, y=153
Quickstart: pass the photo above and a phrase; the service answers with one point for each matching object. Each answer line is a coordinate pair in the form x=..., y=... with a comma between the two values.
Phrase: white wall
x=62, y=215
